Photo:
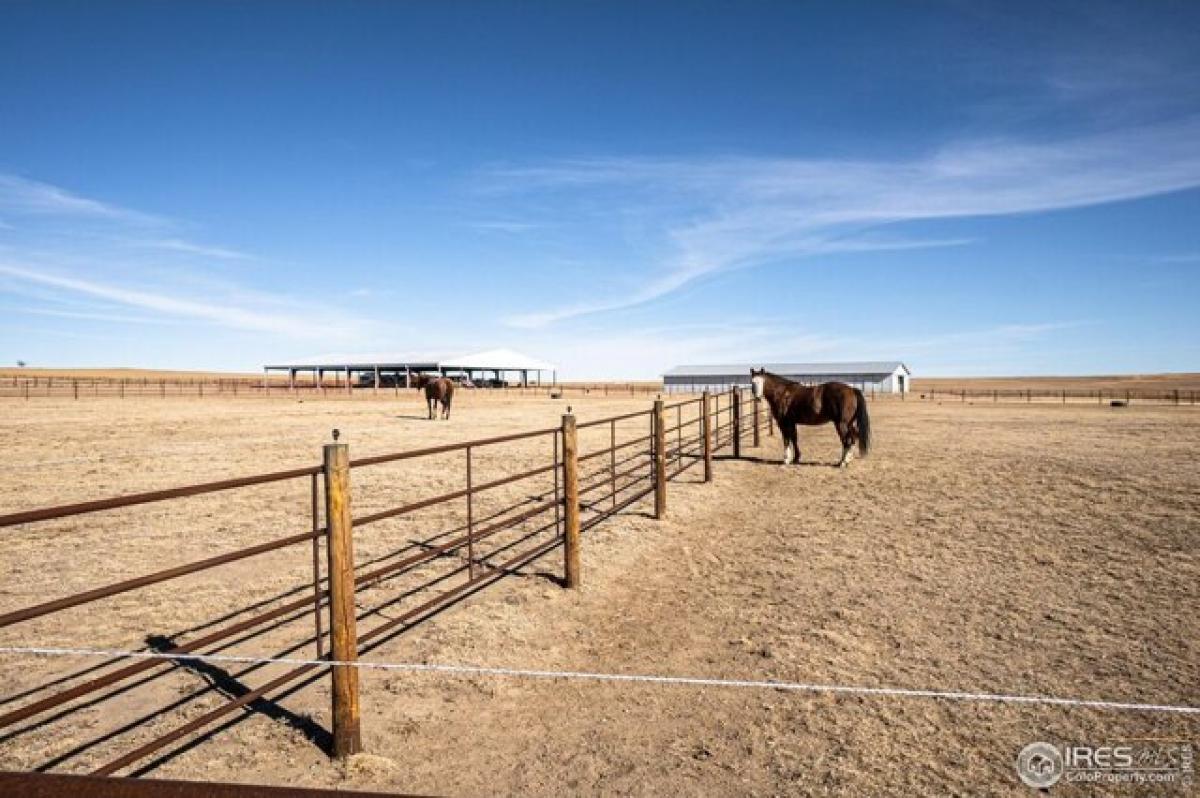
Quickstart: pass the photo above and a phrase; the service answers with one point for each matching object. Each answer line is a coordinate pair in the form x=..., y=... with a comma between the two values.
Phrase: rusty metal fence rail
x=571, y=478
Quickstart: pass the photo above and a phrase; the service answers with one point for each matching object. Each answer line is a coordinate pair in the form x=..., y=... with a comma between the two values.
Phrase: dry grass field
x=1037, y=549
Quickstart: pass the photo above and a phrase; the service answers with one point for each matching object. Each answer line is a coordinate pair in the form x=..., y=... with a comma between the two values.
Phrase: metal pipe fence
x=482, y=530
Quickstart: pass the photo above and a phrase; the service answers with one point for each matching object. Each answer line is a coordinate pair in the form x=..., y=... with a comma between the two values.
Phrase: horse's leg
x=847, y=438
x=791, y=447
x=787, y=441
x=432, y=404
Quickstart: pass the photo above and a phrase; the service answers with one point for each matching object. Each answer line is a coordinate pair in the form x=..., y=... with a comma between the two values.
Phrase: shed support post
x=570, y=466
x=377, y=380
x=347, y=733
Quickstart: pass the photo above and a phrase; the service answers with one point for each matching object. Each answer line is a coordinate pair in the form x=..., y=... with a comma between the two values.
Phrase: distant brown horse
x=437, y=389
x=792, y=403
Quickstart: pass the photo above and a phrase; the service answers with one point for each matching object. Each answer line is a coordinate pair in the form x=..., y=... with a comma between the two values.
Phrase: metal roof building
x=374, y=370
x=881, y=376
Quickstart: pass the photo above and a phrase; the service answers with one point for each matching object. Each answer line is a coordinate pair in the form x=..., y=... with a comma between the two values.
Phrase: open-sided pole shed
x=495, y=361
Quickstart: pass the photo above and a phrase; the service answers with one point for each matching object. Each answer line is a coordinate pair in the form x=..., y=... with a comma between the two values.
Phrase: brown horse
x=437, y=389
x=792, y=403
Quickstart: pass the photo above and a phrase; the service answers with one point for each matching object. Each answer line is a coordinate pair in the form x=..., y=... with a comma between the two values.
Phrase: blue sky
x=973, y=188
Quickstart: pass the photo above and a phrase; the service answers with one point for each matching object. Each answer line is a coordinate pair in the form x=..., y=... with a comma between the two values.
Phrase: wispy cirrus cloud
x=710, y=215
x=192, y=248
x=22, y=196
x=1177, y=257
x=116, y=318
x=600, y=351
x=124, y=259
x=224, y=312
x=44, y=203
x=511, y=227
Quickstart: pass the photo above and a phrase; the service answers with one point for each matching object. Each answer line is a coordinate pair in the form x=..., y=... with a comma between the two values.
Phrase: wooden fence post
x=570, y=466
x=706, y=432
x=736, y=413
x=347, y=733
x=660, y=460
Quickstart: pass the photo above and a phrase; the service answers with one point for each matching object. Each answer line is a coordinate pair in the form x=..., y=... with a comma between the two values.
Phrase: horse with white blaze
x=830, y=402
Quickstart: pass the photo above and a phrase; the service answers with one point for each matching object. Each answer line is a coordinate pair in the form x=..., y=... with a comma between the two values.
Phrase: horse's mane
x=779, y=377
x=779, y=380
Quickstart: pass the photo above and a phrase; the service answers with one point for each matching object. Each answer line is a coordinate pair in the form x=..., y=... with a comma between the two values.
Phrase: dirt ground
x=1011, y=549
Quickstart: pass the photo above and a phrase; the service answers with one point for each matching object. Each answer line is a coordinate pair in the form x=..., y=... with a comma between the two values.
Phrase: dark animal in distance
x=830, y=402
x=438, y=390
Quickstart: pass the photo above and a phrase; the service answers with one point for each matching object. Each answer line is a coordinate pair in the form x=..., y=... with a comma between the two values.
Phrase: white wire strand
x=692, y=681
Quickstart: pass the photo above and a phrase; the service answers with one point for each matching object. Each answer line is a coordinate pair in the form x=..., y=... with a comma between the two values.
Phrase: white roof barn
x=880, y=376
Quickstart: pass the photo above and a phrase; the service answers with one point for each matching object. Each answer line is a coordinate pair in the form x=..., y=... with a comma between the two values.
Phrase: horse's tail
x=862, y=419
